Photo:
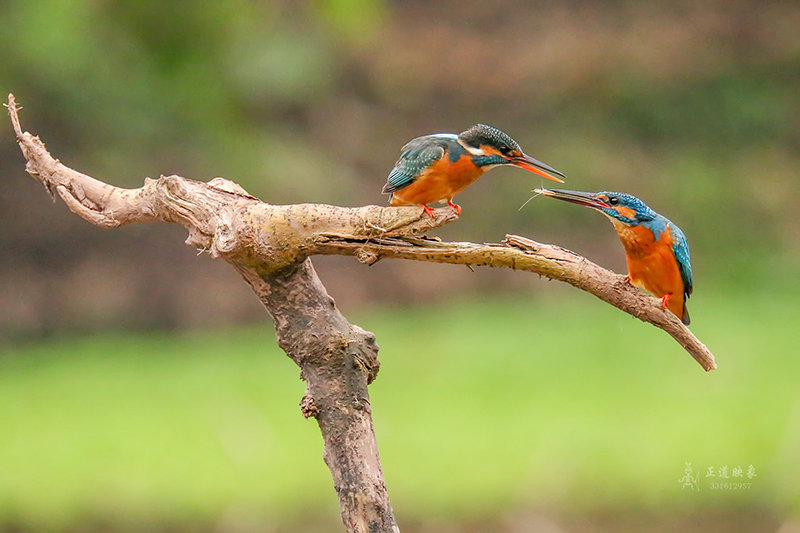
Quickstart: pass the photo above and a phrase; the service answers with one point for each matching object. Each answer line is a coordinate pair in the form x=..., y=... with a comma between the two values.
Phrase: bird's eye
x=504, y=150
x=613, y=200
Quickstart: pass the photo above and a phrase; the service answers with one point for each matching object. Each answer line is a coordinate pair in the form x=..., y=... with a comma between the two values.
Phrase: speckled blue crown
x=481, y=134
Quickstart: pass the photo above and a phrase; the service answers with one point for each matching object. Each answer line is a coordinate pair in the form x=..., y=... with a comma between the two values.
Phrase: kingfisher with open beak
x=655, y=248
x=434, y=168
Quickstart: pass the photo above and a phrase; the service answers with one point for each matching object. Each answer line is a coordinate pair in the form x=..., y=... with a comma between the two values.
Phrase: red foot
x=428, y=210
x=665, y=300
x=628, y=278
x=454, y=206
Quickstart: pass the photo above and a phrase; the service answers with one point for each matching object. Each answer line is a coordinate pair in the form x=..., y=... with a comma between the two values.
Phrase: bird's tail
x=685, y=318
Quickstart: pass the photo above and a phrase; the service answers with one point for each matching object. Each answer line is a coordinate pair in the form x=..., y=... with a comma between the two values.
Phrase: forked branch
x=224, y=220
x=269, y=246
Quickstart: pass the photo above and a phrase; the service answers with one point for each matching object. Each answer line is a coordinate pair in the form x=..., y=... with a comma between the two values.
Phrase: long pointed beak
x=534, y=165
x=576, y=197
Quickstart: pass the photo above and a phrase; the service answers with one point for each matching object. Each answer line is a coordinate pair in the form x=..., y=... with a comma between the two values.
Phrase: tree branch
x=269, y=246
x=338, y=360
x=519, y=253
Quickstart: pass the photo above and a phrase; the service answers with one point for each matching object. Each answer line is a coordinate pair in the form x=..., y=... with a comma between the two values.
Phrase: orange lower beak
x=536, y=166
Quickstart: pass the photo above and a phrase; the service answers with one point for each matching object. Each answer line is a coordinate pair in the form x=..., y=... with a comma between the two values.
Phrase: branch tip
x=13, y=111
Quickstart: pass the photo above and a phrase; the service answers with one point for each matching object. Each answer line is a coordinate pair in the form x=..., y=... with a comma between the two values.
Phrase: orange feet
x=665, y=300
x=628, y=278
x=454, y=206
x=428, y=210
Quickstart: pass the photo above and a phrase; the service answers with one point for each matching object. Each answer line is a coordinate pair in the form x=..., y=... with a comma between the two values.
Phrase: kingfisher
x=434, y=168
x=655, y=248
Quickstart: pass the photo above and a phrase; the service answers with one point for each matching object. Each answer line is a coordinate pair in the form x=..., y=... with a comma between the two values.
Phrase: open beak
x=529, y=163
x=576, y=197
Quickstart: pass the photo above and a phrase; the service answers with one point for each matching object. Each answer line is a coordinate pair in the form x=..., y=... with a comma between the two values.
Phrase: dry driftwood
x=269, y=245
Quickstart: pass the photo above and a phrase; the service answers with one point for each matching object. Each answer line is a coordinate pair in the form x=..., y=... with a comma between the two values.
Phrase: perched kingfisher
x=655, y=248
x=434, y=168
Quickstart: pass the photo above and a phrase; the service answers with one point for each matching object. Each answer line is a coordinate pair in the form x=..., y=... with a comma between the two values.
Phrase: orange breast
x=652, y=265
x=440, y=182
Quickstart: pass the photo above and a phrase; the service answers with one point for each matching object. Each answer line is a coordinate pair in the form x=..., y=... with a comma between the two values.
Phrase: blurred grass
x=481, y=408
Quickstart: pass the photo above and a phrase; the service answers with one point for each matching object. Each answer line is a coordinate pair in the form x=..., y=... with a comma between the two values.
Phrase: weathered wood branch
x=269, y=245
x=338, y=360
x=519, y=253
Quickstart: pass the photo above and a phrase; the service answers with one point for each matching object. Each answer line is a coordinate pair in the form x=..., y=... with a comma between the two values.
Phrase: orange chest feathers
x=651, y=263
x=640, y=241
x=439, y=182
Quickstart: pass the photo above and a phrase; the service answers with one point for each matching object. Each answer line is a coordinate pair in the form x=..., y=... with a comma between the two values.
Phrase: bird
x=656, y=250
x=434, y=168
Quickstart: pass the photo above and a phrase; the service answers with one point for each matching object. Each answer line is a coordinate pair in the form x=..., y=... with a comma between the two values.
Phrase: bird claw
x=454, y=206
x=428, y=210
x=665, y=300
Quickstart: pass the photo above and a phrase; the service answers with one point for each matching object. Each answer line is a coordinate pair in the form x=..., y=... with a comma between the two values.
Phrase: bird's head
x=490, y=147
x=619, y=206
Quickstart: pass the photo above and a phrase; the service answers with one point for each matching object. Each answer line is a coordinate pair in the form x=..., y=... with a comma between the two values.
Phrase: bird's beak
x=534, y=165
x=576, y=197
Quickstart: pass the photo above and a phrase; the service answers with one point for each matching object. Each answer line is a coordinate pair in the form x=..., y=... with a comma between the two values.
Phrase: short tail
x=685, y=318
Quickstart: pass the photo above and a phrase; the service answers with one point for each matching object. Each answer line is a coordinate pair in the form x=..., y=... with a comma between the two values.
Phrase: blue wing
x=416, y=156
x=681, y=250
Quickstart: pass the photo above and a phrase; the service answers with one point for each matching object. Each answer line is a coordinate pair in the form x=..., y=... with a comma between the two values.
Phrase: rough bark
x=338, y=360
x=269, y=245
x=519, y=253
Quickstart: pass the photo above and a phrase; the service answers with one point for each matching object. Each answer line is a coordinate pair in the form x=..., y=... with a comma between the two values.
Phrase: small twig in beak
x=529, y=199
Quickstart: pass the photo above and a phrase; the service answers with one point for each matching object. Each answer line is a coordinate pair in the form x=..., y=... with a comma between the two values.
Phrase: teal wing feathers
x=680, y=247
x=416, y=156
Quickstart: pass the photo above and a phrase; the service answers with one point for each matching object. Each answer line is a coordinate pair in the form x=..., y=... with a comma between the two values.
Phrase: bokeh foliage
x=549, y=406
x=691, y=106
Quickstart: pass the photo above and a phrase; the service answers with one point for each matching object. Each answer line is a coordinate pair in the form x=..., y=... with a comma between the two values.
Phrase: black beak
x=576, y=197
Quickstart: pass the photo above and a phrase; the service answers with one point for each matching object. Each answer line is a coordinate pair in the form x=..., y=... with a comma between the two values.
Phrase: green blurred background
x=141, y=388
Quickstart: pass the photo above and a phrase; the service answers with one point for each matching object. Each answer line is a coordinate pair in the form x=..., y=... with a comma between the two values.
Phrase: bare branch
x=338, y=360
x=277, y=236
x=519, y=253
x=269, y=246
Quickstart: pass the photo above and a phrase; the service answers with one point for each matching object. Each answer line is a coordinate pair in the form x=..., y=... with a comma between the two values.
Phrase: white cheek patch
x=472, y=149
